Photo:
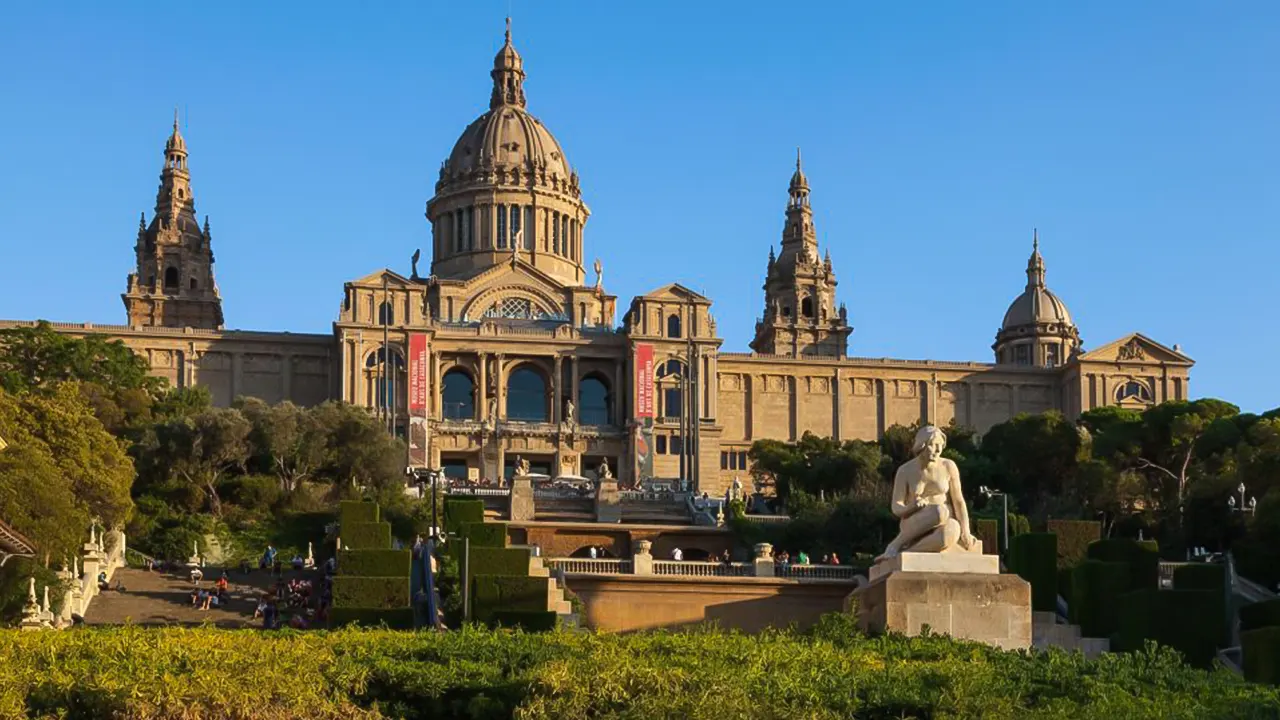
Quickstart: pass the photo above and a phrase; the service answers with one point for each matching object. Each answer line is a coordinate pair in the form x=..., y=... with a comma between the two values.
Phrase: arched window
x=527, y=395
x=386, y=314
x=458, y=395
x=171, y=278
x=597, y=402
x=1133, y=390
x=806, y=307
x=670, y=393
x=385, y=384
x=673, y=326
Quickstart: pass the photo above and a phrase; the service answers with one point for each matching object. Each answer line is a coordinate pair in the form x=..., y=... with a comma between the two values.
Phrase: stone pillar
x=573, y=384
x=557, y=392
x=31, y=609
x=642, y=561
x=608, y=501
x=500, y=384
x=482, y=388
x=521, y=507
x=763, y=561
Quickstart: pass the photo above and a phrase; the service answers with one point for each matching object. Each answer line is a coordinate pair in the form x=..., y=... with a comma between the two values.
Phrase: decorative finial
x=508, y=29
x=797, y=158
x=1035, y=239
x=175, y=118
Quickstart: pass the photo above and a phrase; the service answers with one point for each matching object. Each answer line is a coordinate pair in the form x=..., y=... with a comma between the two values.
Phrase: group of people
x=802, y=558
x=205, y=598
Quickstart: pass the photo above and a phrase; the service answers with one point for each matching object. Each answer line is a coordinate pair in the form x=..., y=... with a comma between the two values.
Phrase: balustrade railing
x=768, y=519
x=814, y=572
x=692, y=568
x=589, y=566
x=561, y=493
x=479, y=491
x=1166, y=573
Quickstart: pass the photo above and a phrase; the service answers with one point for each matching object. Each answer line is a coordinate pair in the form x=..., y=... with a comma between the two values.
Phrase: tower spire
x=1035, y=264
x=508, y=75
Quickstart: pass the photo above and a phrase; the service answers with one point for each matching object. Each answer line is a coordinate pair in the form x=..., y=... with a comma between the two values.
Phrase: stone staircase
x=1047, y=632
x=556, y=601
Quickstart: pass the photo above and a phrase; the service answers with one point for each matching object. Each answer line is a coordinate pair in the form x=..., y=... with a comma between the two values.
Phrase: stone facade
x=525, y=357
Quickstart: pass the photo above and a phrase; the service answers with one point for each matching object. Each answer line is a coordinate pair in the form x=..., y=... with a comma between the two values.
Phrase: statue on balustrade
x=522, y=466
x=603, y=472
x=928, y=501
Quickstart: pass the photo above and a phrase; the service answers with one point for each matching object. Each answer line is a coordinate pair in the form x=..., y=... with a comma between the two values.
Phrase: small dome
x=1036, y=306
x=507, y=137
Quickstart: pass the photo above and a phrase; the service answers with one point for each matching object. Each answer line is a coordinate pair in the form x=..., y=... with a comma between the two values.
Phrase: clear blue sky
x=1139, y=137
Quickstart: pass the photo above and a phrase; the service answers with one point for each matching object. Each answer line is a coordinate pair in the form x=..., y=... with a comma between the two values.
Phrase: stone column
x=557, y=392
x=642, y=561
x=835, y=407
x=573, y=384
x=500, y=384
x=608, y=501
x=482, y=387
x=521, y=507
x=763, y=560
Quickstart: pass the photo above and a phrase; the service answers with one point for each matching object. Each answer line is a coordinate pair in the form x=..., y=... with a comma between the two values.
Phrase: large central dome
x=507, y=190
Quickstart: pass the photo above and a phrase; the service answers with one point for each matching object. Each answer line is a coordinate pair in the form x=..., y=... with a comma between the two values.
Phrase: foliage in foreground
x=829, y=673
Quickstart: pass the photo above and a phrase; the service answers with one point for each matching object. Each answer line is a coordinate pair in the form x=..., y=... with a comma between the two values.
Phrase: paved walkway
x=153, y=598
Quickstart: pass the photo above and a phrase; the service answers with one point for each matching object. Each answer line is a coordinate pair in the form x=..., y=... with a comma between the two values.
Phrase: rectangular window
x=742, y=460
x=724, y=461
x=677, y=444
x=471, y=228
x=555, y=233
x=533, y=227
x=515, y=223
x=1051, y=356
x=661, y=442
x=1022, y=354
x=502, y=226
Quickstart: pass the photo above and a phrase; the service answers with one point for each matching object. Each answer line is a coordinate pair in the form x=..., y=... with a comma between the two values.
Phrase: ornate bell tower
x=173, y=285
x=800, y=314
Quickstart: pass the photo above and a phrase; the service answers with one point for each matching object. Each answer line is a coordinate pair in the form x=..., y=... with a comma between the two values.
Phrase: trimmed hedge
x=1211, y=577
x=375, y=593
x=366, y=536
x=375, y=563
x=1142, y=557
x=458, y=511
x=1260, y=650
x=500, y=593
x=395, y=619
x=1074, y=537
x=1034, y=557
x=1175, y=618
x=355, y=511
x=988, y=531
x=1095, y=588
x=499, y=561
x=527, y=620
x=485, y=534
x=1260, y=615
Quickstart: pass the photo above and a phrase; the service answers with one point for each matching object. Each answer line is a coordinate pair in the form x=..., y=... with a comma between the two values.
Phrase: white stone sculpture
x=604, y=472
x=928, y=501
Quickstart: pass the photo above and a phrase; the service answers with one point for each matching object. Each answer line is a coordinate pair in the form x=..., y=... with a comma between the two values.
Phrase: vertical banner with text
x=419, y=386
x=642, y=440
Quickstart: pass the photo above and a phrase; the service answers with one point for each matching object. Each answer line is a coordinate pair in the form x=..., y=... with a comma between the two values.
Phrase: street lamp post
x=1243, y=507
x=1004, y=499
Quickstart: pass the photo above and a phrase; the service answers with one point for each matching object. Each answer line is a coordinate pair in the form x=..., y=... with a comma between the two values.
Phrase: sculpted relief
x=928, y=502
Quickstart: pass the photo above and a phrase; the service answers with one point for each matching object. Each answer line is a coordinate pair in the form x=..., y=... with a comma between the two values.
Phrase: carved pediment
x=375, y=279
x=1136, y=348
x=675, y=292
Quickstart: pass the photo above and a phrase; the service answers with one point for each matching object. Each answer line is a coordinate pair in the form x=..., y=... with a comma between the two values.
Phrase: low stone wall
x=623, y=603
x=102, y=554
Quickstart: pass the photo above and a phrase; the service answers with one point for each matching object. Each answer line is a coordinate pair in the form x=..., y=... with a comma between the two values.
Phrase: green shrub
x=355, y=511
x=458, y=511
x=375, y=563
x=1260, y=615
x=527, y=620
x=988, y=531
x=499, y=561
x=366, y=536
x=1142, y=557
x=1260, y=650
x=1034, y=557
x=1074, y=537
x=1018, y=524
x=394, y=618
x=1211, y=577
x=1096, y=586
x=208, y=672
x=381, y=593
x=492, y=593
x=1176, y=618
x=486, y=534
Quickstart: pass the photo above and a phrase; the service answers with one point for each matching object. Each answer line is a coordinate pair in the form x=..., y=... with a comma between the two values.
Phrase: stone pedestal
x=762, y=562
x=642, y=561
x=521, y=508
x=958, y=594
x=608, y=501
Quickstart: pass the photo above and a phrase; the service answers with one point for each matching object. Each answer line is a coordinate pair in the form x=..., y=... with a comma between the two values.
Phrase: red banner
x=644, y=381
x=418, y=375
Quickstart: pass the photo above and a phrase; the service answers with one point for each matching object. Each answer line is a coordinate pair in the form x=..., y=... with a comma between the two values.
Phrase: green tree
x=358, y=450
x=818, y=465
x=202, y=449
x=288, y=441
x=1035, y=457
x=39, y=357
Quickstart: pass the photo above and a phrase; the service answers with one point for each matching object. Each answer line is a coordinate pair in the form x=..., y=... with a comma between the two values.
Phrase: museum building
x=507, y=347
